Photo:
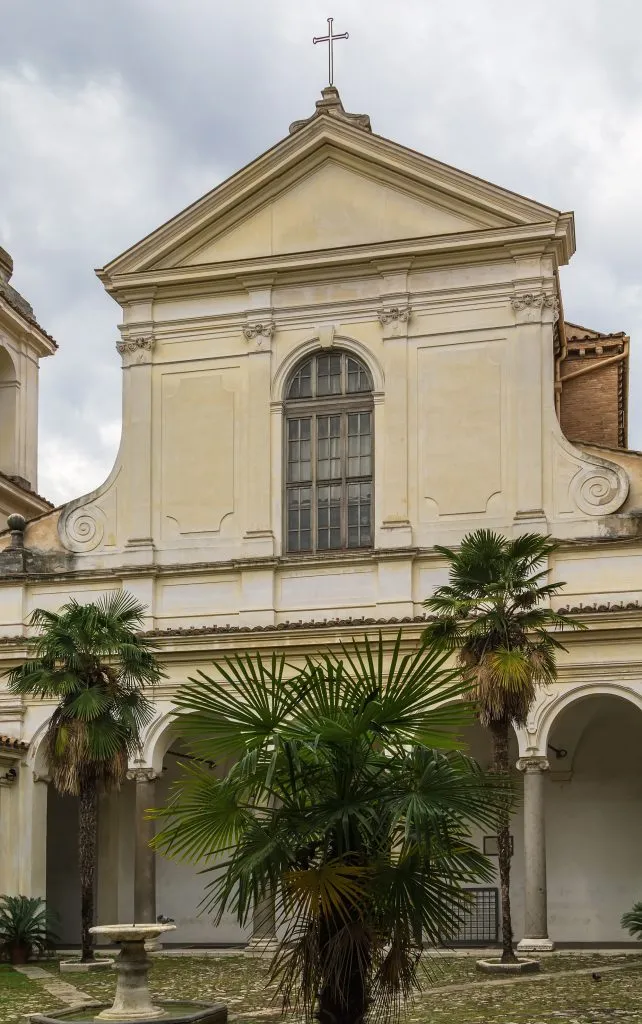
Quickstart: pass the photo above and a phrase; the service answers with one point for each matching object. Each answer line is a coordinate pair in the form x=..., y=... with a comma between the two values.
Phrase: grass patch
x=558, y=997
x=20, y=995
x=12, y=981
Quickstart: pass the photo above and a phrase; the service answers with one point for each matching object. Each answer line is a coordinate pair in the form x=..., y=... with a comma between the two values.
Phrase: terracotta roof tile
x=281, y=627
x=25, y=490
x=13, y=743
x=20, y=306
x=580, y=333
x=356, y=623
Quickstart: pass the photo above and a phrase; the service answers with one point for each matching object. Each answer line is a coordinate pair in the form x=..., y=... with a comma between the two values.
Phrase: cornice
x=347, y=311
x=294, y=266
x=603, y=671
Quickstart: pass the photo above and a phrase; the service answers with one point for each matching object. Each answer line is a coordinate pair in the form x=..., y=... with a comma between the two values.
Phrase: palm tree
x=348, y=799
x=495, y=613
x=91, y=659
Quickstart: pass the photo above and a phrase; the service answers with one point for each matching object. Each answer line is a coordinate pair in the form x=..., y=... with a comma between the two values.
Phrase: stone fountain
x=133, y=1002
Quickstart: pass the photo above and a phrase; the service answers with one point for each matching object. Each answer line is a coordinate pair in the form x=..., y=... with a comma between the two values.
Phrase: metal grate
x=480, y=924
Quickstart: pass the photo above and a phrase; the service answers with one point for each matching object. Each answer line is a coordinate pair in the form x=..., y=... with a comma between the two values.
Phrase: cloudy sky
x=115, y=114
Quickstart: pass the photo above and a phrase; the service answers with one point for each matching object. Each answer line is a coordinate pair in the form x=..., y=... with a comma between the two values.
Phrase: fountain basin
x=172, y=1012
x=131, y=932
x=133, y=1002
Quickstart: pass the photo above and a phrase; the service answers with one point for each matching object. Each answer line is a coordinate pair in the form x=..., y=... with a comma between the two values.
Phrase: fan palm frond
x=94, y=662
x=348, y=800
x=495, y=611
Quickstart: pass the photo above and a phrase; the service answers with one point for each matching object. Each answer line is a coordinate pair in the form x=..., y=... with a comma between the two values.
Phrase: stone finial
x=330, y=104
x=6, y=266
x=17, y=524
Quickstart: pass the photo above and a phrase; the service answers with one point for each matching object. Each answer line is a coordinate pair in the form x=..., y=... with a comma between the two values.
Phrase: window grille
x=479, y=925
x=329, y=455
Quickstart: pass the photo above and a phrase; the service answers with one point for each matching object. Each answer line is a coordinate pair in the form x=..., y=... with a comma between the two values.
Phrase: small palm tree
x=348, y=800
x=91, y=659
x=495, y=613
x=26, y=927
x=632, y=921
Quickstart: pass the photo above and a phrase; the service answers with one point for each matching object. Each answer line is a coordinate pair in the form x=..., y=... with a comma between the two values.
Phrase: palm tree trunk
x=87, y=830
x=350, y=1008
x=344, y=996
x=501, y=764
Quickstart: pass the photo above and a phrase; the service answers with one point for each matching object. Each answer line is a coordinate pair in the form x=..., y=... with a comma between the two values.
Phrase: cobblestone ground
x=453, y=993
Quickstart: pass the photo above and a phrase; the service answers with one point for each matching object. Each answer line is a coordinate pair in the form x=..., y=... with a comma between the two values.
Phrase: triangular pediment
x=336, y=205
x=328, y=186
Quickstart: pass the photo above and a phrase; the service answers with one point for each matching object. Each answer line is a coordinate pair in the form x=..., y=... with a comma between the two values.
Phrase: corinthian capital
x=394, y=314
x=136, y=350
x=531, y=765
x=530, y=306
x=142, y=774
x=260, y=330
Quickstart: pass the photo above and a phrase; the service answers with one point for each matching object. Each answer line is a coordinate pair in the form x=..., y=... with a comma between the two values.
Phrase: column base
x=527, y=945
x=263, y=946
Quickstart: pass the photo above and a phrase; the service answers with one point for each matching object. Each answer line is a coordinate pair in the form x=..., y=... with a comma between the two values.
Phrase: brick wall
x=593, y=402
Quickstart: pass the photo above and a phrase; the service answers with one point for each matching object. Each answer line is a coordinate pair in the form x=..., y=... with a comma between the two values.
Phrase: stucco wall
x=63, y=883
x=594, y=825
x=180, y=889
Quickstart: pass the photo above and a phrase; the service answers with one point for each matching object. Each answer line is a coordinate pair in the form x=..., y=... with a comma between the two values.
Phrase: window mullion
x=313, y=480
x=343, y=515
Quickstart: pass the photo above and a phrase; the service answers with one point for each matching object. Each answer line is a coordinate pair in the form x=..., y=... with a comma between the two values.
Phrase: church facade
x=342, y=356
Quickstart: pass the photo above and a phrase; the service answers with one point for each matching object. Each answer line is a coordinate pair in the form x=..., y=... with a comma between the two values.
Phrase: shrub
x=26, y=927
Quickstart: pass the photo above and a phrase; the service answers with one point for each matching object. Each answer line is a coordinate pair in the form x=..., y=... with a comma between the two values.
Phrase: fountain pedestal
x=133, y=1003
x=133, y=1000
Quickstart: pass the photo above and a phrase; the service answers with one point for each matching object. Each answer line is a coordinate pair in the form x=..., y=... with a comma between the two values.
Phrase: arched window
x=329, y=454
x=8, y=414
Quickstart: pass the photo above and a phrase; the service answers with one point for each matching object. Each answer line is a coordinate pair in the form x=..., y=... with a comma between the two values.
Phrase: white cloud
x=83, y=174
x=67, y=471
x=115, y=115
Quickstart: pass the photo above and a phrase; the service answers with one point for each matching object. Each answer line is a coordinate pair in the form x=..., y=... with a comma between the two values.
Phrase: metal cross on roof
x=329, y=39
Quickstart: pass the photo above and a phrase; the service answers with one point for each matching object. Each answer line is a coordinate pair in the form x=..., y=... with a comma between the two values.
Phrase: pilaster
x=137, y=355
x=535, y=311
x=394, y=315
x=258, y=332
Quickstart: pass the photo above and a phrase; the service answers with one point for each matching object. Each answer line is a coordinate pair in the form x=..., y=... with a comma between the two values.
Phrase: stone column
x=145, y=855
x=264, y=938
x=535, y=924
x=12, y=852
x=108, y=875
x=30, y=857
